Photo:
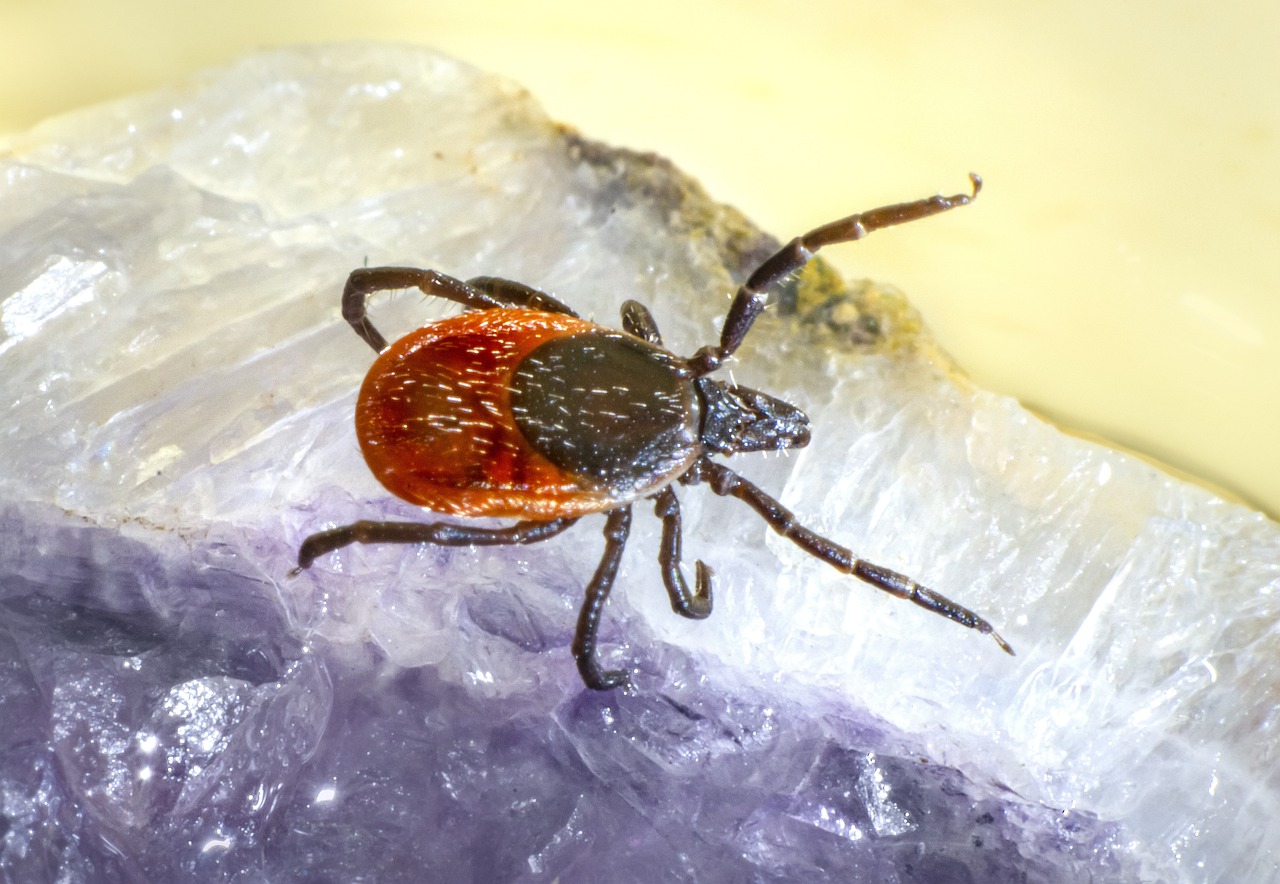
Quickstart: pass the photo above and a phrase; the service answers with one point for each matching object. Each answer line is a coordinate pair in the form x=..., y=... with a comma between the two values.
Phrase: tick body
x=525, y=414
x=519, y=409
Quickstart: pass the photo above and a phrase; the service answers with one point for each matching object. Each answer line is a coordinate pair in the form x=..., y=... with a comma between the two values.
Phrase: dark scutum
x=610, y=408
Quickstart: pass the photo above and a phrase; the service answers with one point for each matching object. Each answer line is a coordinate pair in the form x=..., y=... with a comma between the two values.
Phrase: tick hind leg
x=727, y=483
x=481, y=293
x=517, y=294
x=438, y=533
x=750, y=299
x=616, y=530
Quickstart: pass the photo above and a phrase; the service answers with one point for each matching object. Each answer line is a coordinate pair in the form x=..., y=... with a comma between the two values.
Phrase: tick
x=517, y=408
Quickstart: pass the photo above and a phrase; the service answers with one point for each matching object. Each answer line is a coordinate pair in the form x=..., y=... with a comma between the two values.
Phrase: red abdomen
x=436, y=427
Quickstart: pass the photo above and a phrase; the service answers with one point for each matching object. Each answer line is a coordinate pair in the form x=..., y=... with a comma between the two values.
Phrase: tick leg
x=638, y=322
x=616, y=530
x=439, y=533
x=517, y=294
x=726, y=482
x=695, y=605
x=750, y=299
x=367, y=280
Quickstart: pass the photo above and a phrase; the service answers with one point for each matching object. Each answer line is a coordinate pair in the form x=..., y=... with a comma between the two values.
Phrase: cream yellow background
x=1119, y=274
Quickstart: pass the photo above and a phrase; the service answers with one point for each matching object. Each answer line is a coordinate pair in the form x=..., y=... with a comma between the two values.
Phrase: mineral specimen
x=179, y=387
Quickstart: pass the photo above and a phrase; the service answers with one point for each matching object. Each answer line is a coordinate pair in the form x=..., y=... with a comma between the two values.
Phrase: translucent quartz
x=179, y=387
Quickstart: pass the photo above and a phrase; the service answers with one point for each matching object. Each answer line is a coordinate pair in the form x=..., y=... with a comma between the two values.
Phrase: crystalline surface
x=178, y=387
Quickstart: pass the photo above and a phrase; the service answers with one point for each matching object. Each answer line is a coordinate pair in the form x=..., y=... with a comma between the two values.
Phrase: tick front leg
x=616, y=530
x=438, y=533
x=750, y=299
x=727, y=483
x=695, y=605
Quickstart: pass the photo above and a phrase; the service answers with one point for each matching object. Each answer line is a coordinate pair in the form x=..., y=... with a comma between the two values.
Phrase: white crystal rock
x=179, y=387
